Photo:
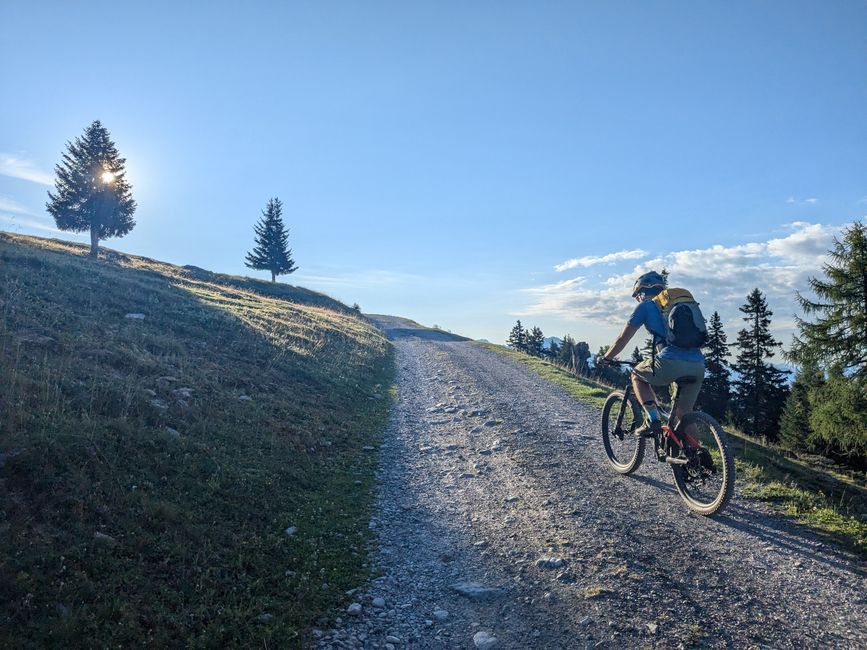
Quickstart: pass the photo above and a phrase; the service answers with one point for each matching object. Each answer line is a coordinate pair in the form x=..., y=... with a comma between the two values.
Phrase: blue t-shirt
x=648, y=314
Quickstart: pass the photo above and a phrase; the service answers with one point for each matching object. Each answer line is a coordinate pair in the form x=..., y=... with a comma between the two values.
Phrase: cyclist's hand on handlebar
x=602, y=362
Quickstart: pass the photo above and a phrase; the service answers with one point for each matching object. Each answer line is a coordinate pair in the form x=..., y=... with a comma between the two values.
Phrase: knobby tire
x=625, y=452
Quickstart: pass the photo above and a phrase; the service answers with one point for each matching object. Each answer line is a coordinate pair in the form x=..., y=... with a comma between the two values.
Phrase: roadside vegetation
x=827, y=497
x=185, y=458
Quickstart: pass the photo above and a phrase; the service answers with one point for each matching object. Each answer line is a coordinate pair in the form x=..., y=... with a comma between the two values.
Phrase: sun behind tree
x=271, y=251
x=92, y=192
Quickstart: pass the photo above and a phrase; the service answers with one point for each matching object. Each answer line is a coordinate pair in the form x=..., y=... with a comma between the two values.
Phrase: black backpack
x=685, y=324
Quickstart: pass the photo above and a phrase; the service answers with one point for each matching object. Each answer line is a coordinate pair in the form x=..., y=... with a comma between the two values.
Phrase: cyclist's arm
x=621, y=341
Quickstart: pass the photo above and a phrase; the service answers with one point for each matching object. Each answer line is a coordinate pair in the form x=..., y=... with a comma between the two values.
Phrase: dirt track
x=491, y=475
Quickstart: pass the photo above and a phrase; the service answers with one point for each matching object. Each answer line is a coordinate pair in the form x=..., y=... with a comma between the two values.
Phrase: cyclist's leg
x=686, y=395
x=642, y=382
x=643, y=391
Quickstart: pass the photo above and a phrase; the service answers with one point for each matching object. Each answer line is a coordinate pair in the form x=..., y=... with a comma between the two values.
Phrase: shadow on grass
x=150, y=466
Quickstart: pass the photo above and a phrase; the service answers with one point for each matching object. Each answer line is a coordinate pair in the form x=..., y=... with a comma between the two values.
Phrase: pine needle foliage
x=271, y=250
x=838, y=335
x=796, y=433
x=716, y=389
x=91, y=189
x=518, y=338
x=535, y=341
x=760, y=390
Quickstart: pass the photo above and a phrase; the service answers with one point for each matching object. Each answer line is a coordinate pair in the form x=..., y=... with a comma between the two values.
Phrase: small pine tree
x=637, y=357
x=535, y=340
x=91, y=190
x=553, y=350
x=566, y=350
x=838, y=415
x=716, y=389
x=796, y=434
x=760, y=389
x=518, y=338
x=271, y=251
x=838, y=337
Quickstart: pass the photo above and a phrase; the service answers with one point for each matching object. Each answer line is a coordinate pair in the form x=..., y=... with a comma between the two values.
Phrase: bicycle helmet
x=650, y=280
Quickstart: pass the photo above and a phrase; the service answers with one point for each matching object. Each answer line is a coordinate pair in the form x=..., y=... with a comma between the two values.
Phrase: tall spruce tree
x=760, y=389
x=796, y=433
x=837, y=340
x=518, y=338
x=271, y=250
x=535, y=340
x=91, y=189
x=716, y=389
x=838, y=335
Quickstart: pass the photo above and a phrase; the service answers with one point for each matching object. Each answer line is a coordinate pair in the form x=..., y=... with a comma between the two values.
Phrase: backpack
x=684, y=321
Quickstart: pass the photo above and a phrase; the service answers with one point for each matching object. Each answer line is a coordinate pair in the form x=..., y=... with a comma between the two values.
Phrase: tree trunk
x=94, y=241
x=273, y=277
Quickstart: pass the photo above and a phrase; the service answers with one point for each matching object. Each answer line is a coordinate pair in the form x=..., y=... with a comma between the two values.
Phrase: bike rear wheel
x=706, y=481
x=624, y=449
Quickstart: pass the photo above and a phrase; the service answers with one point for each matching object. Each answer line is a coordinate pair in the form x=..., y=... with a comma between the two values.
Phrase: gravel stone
x=484, y=641
x=748, y=578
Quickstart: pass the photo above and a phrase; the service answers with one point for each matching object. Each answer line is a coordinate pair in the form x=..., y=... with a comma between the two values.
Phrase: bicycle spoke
x=705, y=481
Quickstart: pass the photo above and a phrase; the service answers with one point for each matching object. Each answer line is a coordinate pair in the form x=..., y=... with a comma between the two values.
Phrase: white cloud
x=808, y=201
x=592, y=260
x=719, y=276
x=16, y=167
x=11, y=205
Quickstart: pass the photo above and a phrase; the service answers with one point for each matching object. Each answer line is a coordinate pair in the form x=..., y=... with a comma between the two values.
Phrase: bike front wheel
x=624, y=449
x=706, y=481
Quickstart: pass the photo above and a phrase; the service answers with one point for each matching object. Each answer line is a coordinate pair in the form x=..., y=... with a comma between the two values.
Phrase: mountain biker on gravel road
x=669, y=364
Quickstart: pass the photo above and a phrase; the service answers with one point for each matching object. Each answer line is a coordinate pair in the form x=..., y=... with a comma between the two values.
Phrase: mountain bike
x=696, y=448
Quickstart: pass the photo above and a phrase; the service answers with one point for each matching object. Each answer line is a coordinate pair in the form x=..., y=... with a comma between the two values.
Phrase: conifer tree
x=796, y=433
x=716, y=389
x=647, y=348
x=838, y=415
x=637, y=357
x=760, y=389
x=567, y=349
x=838, y=336
x=553, y=350
x=91, y=190
x=271, y=250
x=518, y=338
x=535, y=339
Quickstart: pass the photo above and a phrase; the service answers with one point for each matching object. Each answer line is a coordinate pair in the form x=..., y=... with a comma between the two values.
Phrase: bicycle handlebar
x=618, y=362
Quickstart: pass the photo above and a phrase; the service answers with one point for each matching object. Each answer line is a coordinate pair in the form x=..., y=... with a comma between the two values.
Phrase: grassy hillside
x=832, y=503
x=150, y=467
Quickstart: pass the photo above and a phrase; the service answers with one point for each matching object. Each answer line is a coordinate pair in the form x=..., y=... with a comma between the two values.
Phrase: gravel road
x=499, y=524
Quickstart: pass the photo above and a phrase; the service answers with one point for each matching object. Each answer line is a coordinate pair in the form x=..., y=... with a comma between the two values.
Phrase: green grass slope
x=828, y=501
x=150, y=468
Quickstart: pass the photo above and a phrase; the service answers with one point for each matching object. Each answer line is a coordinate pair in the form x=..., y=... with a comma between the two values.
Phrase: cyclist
x=670, y=363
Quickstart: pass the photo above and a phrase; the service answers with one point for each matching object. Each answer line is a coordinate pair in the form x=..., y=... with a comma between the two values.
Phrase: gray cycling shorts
x=665, y=371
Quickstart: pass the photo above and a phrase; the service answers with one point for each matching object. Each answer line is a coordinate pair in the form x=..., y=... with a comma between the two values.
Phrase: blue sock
x=652, y=411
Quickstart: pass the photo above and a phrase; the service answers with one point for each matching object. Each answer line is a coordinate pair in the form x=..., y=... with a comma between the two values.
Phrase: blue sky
x=442, y=160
